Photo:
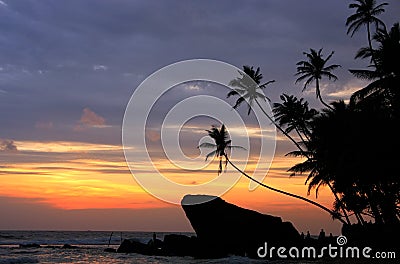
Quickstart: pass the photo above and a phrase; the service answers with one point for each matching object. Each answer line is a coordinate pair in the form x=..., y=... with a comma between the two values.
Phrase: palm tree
x=247, y=88
x=366, y=14
x=320, y=154
x=344, y=156
x=313, y=69
x=385, y=77
x=295, y=115
x=222, y=144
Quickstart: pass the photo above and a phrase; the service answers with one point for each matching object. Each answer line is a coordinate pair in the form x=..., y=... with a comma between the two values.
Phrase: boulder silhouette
x=223, y=228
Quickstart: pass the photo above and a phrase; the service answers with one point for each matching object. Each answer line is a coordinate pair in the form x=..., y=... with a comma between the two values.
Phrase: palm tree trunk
x=374, y=208
x=340, y=203
x=370, y=46
x=304, y=154
x=281, y=129
x=286, y=193
x=319, y=94
x=301, y=137
x=358, y=218
x=361, y=218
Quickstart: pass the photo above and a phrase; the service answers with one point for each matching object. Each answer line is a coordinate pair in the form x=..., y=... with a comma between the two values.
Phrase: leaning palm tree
x=366, y=14
x=295, y=115
x=313, y=69
x=222, y=143
x=385, y=77
x=248, y=88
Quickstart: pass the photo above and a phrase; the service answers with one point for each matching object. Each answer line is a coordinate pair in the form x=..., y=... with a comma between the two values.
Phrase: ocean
x=89, y=248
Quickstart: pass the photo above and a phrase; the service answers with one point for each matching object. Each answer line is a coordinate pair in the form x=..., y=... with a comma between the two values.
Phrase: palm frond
x=231, y=93
x=207, y=145
x=212, y=153
x=365, y=74
x=236, y=147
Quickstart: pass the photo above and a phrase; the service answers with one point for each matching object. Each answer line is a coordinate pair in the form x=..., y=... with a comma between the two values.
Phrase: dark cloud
x=7, y=145
x=57, y=57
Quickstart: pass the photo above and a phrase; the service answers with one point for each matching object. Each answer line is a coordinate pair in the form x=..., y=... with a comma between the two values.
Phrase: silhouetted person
x=302, y=236
x=308, y=236
x=321, y=235
x=154, y=237
x=331, y=238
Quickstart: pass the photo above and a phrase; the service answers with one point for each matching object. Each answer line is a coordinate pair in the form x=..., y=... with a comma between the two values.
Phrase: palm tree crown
x=222, y=144
x=295, y=115
x=386, y=75
x=313, y=69
x=366, y=14
x=247, y=87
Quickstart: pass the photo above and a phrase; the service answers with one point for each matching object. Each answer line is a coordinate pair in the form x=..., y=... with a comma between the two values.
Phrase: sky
x=68, y=69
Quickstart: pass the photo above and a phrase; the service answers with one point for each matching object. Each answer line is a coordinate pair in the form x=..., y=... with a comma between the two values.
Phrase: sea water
x=90, y=247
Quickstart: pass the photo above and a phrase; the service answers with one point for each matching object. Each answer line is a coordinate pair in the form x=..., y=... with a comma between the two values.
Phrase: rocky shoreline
x=223, y=229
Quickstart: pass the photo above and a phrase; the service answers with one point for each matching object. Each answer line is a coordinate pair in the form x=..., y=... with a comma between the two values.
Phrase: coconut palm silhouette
x=248, y=88
x=313, y=69
x=222, y=144
x=366, y=14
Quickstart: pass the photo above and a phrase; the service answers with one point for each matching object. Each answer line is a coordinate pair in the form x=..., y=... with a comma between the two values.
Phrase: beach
x=89, y=246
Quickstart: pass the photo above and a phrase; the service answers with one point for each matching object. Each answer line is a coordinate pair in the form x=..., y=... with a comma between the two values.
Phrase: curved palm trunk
x=281, y=129
x=304, y=154
x=319, y=94
x=361, y=218
x=300, y=136
x=374, y=208
x=340, y=203
x=285, y=193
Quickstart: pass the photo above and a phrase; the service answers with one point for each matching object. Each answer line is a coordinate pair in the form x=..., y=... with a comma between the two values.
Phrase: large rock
x=223, y=228
x=179, y=245
x=132, y=246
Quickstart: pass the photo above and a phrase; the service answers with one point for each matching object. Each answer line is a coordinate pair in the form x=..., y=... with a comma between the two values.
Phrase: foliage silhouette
x=366, y=14
x=222, y=144
x=247, y=88
x=313, y=69
x=385, y=78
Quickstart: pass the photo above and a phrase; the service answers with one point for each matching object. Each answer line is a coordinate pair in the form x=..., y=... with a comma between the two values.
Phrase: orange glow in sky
x=75, y=175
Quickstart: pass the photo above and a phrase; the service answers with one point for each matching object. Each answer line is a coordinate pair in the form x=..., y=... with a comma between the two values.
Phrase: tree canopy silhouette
x=366, y=14
x=313, y=69
x=222, y=145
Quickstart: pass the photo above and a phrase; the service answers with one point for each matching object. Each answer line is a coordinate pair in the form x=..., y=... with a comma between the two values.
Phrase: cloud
x=7, y=145
x=100, y=68
x=44, y=125
x=152, y=135
x=193, y=87
x=90, y=119
x=3, y=3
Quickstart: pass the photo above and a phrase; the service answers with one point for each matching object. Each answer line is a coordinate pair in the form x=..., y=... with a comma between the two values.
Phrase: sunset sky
x=68, y=69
